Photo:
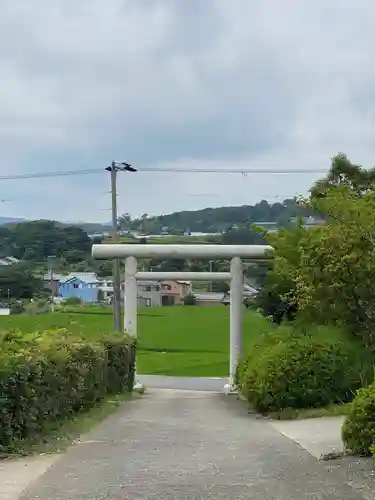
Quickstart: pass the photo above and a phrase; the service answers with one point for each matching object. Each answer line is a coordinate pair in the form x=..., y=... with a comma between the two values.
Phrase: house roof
x=8, y=261
x=56, y=277
x=147, y=282
x=209, y=296
x=85, y=277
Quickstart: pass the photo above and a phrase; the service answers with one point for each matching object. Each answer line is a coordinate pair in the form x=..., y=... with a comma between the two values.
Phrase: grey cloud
x=162, y=82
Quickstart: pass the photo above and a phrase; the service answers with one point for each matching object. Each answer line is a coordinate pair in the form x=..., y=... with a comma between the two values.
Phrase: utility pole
x=50, y=272
x=211, y=262
x=113, y=169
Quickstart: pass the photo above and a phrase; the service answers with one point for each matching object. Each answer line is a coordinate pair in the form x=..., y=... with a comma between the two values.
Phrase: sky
x=179, y=84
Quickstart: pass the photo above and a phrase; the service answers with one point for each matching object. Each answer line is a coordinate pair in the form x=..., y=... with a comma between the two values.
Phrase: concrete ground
x=177, y=444
x=319, y=436
x=183, y=383
x=17, y=474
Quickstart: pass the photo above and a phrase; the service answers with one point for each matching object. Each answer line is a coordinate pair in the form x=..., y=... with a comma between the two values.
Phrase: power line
x=236, y=170
x=242, y=171
x=40, y=175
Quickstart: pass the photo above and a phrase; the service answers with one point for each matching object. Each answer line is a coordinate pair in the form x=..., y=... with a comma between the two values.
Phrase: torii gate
x=205, y=252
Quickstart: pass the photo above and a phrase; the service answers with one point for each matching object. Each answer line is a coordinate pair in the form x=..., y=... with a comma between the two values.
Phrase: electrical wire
x=40, y=175
x=244, y=172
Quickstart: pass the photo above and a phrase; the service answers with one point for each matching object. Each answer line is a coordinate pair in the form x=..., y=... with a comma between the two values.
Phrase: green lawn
x=182, y=341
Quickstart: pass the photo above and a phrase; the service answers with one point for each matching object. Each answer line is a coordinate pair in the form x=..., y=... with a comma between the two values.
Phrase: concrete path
x=173, y=444
x=319, y=436
x=183, y=383
x=16, y=475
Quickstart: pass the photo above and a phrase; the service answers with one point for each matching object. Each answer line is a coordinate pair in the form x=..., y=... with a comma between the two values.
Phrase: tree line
x=217, y=220
x=38, y=240
x=326, y=272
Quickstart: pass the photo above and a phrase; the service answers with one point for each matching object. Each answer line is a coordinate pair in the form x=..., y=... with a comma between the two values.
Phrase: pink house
x=173, y=292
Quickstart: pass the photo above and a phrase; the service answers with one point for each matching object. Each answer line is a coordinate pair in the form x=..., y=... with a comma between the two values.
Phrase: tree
x=344, y=173
x=242, y=236
x=326, y=272
x=124, y=222
x=105, y=268
x=18, y=282
x=278, y=294
x=220, y=286
x=37, y=240
x=338, y=261
x=221, y=219
x=190, y=300
x=100, y=295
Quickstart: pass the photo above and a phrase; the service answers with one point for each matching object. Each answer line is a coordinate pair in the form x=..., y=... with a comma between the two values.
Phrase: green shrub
x=72, y=301
x=16, y=307
x=121, y=363
x=292, y=368
x=48, y=376
x=250, y=303
x=37, y=306
x=358, y=431
x=190, y=300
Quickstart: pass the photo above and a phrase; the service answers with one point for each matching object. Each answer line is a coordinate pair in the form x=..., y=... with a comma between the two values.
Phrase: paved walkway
x=319, y=436
x=173, y=444
x=215, y=384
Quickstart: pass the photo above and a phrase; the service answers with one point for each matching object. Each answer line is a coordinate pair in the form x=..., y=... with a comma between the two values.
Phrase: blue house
x=84, y=286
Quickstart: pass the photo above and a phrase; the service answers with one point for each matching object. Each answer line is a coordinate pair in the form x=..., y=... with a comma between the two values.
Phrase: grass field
x=180, y=341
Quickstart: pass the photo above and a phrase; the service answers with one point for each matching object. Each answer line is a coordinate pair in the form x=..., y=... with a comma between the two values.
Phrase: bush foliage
x=292, y=368
x=190, y=300
x=46, y=377
x=358, y=431
x=72, y=301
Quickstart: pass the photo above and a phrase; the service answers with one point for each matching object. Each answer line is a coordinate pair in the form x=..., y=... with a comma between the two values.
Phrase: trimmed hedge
x=46, y=377
x=290, y=368
x=358, y=430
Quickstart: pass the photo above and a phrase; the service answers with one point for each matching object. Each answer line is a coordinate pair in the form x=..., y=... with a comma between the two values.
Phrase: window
x=167, y=287
x=157, y=288
x=75, y=285
x=147, y=288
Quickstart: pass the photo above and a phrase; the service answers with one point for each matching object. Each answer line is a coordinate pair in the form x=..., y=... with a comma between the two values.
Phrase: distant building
x=148, y=293
x=309, y=221
x=217, y=298
x=208, y=298
x=84, y=286
x=173, y=292
x=53, y=284
x=8, y=261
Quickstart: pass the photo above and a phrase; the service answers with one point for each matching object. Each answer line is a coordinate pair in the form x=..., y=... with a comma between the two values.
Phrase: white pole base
x=138, y=387
x=229, y=389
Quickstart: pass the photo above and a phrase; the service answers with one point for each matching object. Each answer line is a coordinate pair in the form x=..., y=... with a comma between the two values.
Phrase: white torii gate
x=234, y=252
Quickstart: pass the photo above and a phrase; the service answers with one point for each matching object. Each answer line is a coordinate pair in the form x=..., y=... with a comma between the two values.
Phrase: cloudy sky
x=179, y=84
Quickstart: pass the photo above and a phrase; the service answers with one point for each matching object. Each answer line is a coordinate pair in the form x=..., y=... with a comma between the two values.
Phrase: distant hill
x=10, y=220
x=207, y=220
x=211, y=220
x=88, y=227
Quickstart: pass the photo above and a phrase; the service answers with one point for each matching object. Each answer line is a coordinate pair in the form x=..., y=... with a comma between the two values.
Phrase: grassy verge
x=59, y=436
x=300, y=414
